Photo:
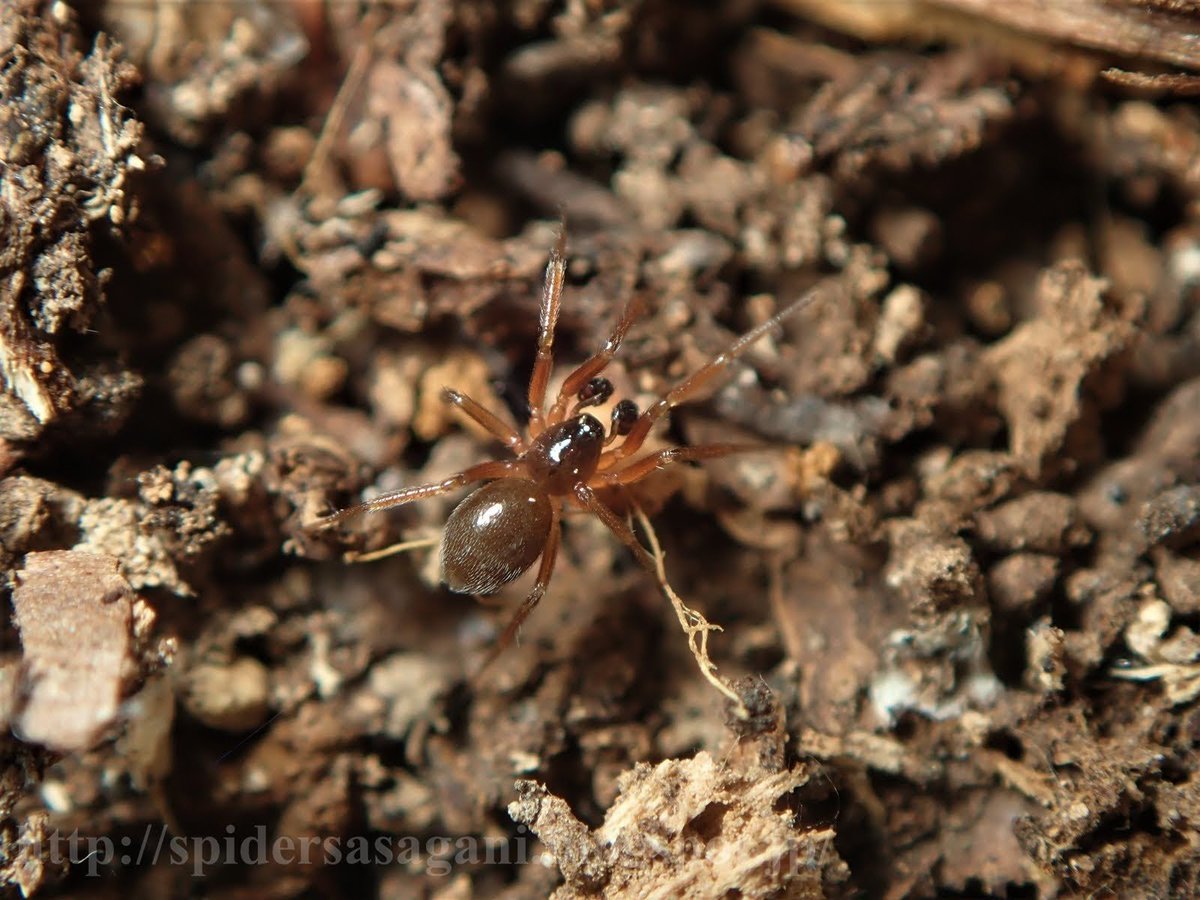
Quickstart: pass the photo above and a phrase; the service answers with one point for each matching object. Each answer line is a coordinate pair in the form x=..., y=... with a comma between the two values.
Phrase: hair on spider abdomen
x=563, y=458
x=494, y=535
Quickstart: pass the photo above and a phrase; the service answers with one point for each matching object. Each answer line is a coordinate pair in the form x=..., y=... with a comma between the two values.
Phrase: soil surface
x=246, y=245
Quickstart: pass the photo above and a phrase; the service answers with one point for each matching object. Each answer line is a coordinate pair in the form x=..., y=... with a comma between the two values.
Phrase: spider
x=565, y=458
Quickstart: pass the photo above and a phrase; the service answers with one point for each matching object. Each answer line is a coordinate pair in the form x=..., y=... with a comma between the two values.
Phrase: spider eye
x=595, y=392
x=624, y=414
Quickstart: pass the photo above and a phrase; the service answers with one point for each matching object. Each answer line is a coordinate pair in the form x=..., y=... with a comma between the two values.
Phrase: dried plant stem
x=351, y=85
x=392, y=550
x=694, y=625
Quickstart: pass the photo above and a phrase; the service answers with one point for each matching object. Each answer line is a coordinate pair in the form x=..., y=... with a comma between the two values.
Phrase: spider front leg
x=545, y=570
x=714, y=368
x=556, y=270
x=639, y=469
x=592, y=367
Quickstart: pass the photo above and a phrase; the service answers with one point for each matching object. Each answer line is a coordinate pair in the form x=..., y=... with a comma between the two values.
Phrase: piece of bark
x=694, y=827
x=74, y=613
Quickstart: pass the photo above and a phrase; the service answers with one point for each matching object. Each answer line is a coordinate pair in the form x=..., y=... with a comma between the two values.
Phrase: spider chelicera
x=564, y=458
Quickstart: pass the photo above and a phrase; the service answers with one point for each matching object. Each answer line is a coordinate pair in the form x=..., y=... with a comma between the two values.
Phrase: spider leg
x=497, y=427
x=638, y=469
x=715, y=367
x=545, y=570
x=481, y=472
x=619, y=527
x=595, y=365
x=556, y=270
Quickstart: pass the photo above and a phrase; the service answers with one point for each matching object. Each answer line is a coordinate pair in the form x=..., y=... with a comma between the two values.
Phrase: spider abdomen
x=494, y=535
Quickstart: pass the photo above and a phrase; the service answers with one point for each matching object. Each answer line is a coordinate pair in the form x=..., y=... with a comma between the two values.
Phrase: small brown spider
x=497, y=531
